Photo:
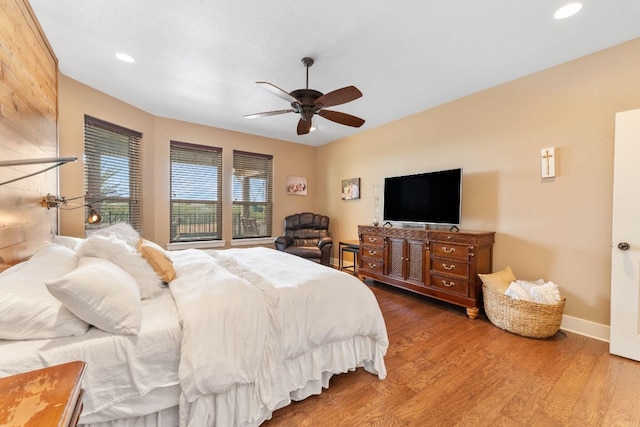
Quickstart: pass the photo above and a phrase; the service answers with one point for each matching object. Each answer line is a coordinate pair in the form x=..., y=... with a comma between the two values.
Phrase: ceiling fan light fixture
x=125, y=58
x=567, y=10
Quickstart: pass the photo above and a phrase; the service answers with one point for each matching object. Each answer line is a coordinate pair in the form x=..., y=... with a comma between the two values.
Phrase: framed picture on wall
x=351, y=189
x=297, y=185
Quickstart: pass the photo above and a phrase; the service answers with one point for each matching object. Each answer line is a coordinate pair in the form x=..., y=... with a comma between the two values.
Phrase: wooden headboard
x=28, y=130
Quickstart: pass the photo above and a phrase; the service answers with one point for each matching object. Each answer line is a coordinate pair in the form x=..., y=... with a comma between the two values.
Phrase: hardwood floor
x=447, y=370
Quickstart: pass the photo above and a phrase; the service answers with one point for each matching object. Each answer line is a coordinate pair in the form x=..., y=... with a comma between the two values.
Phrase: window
x=252, y=194
x=113, y=172
x=196, y=192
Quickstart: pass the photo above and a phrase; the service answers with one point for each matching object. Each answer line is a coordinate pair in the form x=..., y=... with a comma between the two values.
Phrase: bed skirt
x=159, y=408
x=169, y=417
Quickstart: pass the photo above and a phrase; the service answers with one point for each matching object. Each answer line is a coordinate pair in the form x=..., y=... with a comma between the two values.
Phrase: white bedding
x=242, y=332
x=310, y=321
x=119, y=367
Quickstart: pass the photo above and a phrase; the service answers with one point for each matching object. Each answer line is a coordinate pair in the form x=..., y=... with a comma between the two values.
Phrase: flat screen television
x=430, y=198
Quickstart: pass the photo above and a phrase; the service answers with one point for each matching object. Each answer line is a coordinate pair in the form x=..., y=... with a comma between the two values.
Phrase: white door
x=625, y=256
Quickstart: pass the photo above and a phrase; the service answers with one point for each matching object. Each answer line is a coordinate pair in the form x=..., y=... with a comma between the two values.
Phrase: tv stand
x=437, y=263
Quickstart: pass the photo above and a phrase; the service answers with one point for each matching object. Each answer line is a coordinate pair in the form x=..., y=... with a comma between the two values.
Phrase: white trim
x=252, y=242
x=207, y=244
x=585, y=327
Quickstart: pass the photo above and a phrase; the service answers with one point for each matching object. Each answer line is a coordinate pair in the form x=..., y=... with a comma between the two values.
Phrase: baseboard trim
x=585, y=327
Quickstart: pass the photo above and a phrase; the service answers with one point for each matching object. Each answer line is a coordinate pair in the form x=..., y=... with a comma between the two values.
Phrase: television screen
x=432, y=197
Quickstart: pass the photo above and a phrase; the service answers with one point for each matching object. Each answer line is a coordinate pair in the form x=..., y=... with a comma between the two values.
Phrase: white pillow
x=68, y=241
x=122, y=230
x=102, y=294
x=126, y=257
x=27, y=309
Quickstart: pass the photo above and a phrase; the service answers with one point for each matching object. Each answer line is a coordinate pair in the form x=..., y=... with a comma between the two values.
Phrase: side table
x=352, y=247
x=45, y=397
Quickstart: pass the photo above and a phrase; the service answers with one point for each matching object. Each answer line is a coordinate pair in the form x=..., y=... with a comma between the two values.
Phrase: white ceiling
x=198, y=60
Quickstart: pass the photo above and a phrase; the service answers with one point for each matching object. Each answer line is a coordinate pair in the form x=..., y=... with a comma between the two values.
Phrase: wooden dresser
x=439, y=264
x=46, y=397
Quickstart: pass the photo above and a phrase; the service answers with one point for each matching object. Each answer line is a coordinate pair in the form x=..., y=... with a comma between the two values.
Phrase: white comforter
x=119, y=367
x=259, y=324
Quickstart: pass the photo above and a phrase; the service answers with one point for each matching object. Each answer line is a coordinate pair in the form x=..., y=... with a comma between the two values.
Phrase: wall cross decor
x=548, y=162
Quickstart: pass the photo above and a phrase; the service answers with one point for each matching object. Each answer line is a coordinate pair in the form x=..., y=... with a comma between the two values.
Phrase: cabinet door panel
x=416, y=254
x=395, y=257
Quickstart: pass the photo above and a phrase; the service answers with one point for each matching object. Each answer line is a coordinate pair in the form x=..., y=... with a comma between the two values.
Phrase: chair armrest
x=325, y=241
x=325, y=244
x=282, y=242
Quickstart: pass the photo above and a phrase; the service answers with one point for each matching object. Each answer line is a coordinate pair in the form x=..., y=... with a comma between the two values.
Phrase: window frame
x=251, y=218
x=213, y=229
x=99, y=138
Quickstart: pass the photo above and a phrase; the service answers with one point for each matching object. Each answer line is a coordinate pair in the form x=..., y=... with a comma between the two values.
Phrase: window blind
x=113, y=172
x=252, y=193
x=196, y=192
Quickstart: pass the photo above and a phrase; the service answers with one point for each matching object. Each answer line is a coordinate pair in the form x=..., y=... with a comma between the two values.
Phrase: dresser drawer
x=450, y=250
x=374, y=252
x=450, y=266
x=372, y=240
x=372, y=264
x=449, y=284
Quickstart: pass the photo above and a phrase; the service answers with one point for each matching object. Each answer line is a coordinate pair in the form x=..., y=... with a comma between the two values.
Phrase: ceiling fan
x=308, y=102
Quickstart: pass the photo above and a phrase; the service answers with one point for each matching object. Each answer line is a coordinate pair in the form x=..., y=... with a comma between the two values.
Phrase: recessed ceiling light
x=567, y=10
x=124, y=57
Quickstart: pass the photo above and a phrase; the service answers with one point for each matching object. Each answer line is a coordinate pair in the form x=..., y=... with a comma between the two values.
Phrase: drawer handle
x=372, y=265
x=372, y=252
x=448, y=250
x=373, y=239
x=448, y=284
x=448, y=267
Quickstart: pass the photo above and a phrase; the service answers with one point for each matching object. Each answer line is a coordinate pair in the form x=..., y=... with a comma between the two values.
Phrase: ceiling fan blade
x=342, y=118
x=304, y=126
x=277, y=91
x=267, y=113
x=339, y=96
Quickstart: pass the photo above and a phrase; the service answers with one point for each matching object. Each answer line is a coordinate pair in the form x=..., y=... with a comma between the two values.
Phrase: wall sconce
x=51, y=201
x=94, y=217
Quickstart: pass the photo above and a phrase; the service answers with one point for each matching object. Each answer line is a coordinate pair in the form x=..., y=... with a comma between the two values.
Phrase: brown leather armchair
x=306, y=235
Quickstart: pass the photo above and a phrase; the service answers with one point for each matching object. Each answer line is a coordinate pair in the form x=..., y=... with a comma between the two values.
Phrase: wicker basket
x=525, y=318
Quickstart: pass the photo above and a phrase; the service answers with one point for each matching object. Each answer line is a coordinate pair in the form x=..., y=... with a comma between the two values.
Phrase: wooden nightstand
x=46, y=397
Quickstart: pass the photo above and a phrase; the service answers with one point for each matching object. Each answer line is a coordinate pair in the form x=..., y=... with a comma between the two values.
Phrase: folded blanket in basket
x=535, y=291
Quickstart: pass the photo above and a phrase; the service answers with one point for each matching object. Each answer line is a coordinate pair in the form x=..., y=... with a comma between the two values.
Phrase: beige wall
x=77, y=99
x=558, y=229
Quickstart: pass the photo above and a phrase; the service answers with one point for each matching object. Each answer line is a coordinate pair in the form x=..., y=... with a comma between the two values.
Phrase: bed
x=235, y=334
